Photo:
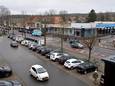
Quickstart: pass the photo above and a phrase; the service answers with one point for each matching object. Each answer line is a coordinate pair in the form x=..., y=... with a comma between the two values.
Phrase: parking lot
x=21, y=59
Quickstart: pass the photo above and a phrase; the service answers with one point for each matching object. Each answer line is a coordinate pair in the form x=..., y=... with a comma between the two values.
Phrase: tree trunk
x=25, y=34
x=13, y=29
x=89, y=54
x=45, y=38
x=62, y=34
x=45, y=35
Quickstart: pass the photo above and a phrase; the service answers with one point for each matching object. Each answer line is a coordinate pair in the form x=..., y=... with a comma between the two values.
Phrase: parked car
x=102, y=80
x=39, y=48
x=36, y=32
x=10, y=83
x=74, y=41
x=41, y=42
x=19, y=38
x=63, y=58
x=86, y=67
x=14, y=44
x=14, y=38
x=54, y=56
x=5, y=71
x=34, y=48
x=46, y=50
x=39, y=72
x=32, y=45
x=48, y=55
x=11, y=35
x=72, y=63
x=25, y=42
x=77, y=45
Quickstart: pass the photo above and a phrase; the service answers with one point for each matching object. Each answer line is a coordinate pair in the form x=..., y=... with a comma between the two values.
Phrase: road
x=21, y=59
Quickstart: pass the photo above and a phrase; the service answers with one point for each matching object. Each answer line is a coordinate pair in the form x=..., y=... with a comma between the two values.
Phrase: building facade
x=80, y=30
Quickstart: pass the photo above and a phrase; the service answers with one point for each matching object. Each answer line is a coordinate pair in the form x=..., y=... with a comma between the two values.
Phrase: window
x=34, y=69
x=76, y=62
x=70, y=31
x=59, y=54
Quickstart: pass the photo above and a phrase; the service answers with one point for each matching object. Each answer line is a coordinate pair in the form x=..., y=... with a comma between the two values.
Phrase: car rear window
x=76, y=62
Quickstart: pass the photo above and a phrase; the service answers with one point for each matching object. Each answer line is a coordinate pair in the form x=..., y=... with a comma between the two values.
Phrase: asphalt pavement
x=21, y=59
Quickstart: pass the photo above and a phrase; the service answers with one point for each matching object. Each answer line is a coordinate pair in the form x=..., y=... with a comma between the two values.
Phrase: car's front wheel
x=8, y=74
x=72, y=68
x=37, y=78
x=85, y=72
x=56, y=59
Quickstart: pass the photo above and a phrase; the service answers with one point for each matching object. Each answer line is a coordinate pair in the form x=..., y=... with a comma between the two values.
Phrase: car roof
x=87, y=64
x=37, y=66
x=60, y=53
x=71, y=60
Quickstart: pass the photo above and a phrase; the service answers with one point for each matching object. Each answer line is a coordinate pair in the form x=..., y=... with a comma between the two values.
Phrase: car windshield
x=41, y=70
x=67, y=62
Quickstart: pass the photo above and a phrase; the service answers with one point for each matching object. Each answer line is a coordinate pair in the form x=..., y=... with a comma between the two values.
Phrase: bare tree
x=23, y=22
x=63, y=22
x=44, y=24
x=62, y=12
x=89, y=42
x=46, y=19
x=52, y=12
x=4, y=15
x=4, y=18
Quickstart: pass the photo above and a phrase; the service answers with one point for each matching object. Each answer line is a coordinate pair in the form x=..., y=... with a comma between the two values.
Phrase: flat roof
x=110, y=59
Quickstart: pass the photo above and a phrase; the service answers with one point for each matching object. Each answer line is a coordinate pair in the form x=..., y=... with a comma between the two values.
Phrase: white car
x=72, y=63
x=32, y=45
x=41, y=42
x=39, y=72
x=19, y=38
x=56, y=55
x=25, y=42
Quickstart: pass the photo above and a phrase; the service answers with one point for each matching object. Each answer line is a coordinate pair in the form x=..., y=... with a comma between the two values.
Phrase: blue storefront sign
x=105, y=25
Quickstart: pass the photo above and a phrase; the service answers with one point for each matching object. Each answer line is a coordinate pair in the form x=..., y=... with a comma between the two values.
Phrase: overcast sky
x=72, y=6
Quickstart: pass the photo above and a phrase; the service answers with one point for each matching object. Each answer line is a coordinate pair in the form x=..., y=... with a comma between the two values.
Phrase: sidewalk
x=107, y=42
